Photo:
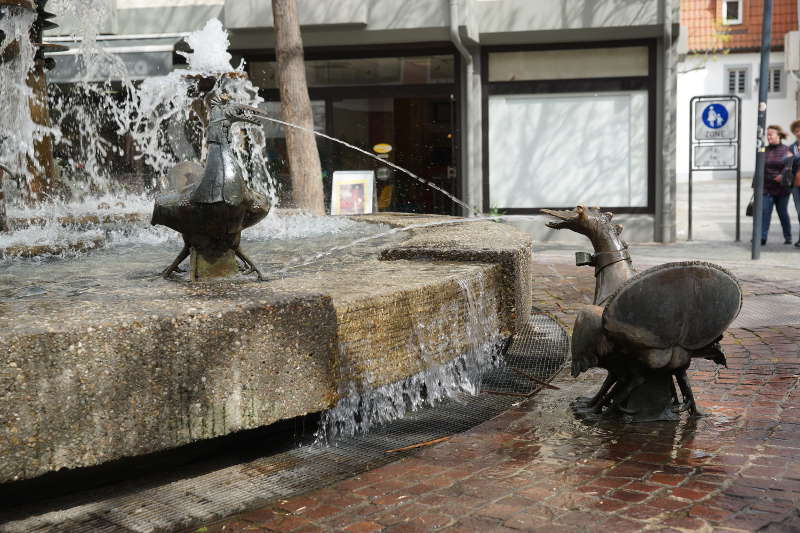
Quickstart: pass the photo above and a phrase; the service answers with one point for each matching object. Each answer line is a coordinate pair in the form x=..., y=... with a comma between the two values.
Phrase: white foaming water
x=50, y=234
x=157, y=115
x=298, y=226
x=18, y=132
x=106, y=204
x=210, y=46
x=362, y=407
x=52, y=227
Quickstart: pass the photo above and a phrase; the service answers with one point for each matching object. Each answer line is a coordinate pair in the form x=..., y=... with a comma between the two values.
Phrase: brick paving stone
x=666, y=479
x=618, y=524
x=473, y=524
x=537, y=493
x=669, y=504
x=526, y=521
x=300, y=502
x=700, y=486
x=569, y=500
x=641, y=512
x=706, y=512
x=321, y=511
x=749, y=520
x=311, y=528
x=239, y=526
x=688, y=494
x=260, y=515
x=639, y=486
x=607, y=505
x=594, y=490
x=685, y=523
x=285, y=524
x=363, y=527
x=628, y=496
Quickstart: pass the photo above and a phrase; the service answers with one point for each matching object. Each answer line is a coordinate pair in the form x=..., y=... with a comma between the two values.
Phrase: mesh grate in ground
x=186, y=499
x=535, y=355
x=768, y=310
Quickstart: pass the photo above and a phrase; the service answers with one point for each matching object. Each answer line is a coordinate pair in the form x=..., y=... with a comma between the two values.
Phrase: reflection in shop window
x=275, y=136
x=561, y=150
x=364, y=71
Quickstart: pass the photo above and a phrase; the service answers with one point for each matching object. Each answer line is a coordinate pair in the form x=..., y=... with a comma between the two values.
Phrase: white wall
x=697, y=77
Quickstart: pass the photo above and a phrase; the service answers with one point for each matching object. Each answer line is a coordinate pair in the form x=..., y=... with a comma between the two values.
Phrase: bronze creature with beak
x=211, y=213
x=645, y=328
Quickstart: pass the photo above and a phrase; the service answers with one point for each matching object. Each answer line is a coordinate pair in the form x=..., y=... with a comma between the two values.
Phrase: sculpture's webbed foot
x=694, y=410
x=680, y=408
x=174, y=266
x=583, y=401
x=249, y=262
x=597, y=401
x=688, y=395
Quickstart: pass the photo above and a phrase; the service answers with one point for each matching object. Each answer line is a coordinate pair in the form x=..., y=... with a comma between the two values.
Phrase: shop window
x=628, y=61
x=732, y=11
x=558, y=150
x=412, y=70
x=737, y=81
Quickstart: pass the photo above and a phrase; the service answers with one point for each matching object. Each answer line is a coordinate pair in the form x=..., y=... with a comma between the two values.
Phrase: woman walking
x=775, y=194
x=795, y=148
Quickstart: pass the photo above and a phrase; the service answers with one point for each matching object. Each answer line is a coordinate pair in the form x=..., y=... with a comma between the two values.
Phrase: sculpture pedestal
x=202, y=267
x=652, y=401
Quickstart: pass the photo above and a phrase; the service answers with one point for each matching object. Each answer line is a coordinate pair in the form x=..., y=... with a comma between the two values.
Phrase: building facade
x=724, y=43
x=510, y=105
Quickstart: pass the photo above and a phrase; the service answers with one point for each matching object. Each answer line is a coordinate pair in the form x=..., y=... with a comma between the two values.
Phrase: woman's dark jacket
x=775, y=158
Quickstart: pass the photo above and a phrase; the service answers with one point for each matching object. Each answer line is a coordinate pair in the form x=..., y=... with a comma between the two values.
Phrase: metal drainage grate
x=536, y=354
x=768, y=310
x=167, y=504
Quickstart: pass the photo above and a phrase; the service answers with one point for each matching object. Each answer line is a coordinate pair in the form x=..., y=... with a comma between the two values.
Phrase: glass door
x=414, y=133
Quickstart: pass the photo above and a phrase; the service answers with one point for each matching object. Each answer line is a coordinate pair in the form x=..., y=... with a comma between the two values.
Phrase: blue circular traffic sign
x=715, y=116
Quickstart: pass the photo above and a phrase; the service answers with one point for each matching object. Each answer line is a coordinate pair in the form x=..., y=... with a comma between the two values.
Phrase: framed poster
x=352, y=192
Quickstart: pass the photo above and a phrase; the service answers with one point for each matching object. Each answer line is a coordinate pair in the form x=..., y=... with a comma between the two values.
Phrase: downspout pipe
x=466, y=167
x=455, y=36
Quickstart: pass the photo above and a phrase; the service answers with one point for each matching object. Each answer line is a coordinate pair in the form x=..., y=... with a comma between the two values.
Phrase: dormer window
x=731, y=12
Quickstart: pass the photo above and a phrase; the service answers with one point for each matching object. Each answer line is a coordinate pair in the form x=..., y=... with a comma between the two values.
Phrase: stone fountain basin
x=145, y=365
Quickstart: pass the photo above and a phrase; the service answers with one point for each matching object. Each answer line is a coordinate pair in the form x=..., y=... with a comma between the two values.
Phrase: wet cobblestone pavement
x=537, y=468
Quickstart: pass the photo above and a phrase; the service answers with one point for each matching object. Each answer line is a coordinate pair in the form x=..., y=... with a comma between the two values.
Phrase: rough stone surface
x=143, y=364
x=475, y=241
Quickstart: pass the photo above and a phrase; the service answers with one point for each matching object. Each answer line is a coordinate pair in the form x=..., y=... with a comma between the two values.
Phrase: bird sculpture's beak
x=566, y=218
x=238, y=114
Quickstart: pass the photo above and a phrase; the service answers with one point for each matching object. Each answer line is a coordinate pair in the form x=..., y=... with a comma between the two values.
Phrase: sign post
x=758, y=178
x=715, y=142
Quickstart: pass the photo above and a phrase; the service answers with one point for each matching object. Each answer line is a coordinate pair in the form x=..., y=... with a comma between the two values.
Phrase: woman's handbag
x=749, y=211
x=787, y=177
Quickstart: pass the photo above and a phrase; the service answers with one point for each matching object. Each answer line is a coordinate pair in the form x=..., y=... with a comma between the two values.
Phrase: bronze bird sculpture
x=211, y=213
x=645, y=328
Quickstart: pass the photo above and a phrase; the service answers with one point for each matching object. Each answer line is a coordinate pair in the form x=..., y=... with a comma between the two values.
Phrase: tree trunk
x=3, y=222
x=301, y=146
x=45, y=179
